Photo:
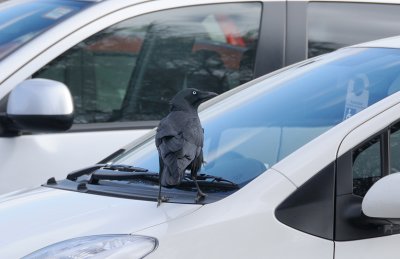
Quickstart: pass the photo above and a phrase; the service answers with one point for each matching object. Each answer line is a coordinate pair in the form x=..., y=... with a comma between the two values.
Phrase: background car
x=301, y=163
x=122, y=60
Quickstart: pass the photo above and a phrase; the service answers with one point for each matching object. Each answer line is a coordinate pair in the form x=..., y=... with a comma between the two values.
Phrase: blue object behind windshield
x=22, y=21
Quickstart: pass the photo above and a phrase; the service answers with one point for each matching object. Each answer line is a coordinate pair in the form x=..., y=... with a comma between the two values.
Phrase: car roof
x=392, y=42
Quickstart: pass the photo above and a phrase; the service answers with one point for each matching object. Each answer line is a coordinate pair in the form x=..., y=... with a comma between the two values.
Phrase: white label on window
x=357, y=96
x=57, y=13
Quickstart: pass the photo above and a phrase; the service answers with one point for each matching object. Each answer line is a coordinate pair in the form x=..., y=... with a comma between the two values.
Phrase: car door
x=123, y=67
x=368, y=153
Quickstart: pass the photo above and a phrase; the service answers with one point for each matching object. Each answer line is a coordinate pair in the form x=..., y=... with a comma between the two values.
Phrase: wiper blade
x=215, y=180
x=125, y=168
x=111, y=174
x=73, y=176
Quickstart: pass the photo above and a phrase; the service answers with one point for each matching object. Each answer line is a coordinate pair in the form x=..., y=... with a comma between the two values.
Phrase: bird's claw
x=161, y=199
x=200, y=196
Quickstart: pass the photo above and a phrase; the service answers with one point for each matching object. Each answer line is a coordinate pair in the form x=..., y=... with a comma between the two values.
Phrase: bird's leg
x=160, y=198
x=200, y=194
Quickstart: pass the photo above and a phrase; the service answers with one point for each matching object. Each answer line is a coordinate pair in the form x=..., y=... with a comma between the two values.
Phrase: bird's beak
x=204, y=95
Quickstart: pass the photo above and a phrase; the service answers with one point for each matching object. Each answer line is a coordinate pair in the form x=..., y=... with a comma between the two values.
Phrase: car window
x=130, y=71
x=369, y=164
x=394, y=150
x=332, y=25
x=259, y=126
x=21, y=21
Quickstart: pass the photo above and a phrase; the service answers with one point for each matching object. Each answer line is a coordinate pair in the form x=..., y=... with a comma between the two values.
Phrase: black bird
x=179, y=140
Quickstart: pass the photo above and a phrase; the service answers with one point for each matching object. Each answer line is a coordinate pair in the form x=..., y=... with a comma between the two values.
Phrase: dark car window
x=332, y=25
x=130, y=71
x=21, y=21
x=369, y=164
x=254, y=129
x=394, y=140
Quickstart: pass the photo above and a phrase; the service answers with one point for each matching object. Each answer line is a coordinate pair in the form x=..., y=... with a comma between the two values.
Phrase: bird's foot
x=161, y=199
x=200, y=196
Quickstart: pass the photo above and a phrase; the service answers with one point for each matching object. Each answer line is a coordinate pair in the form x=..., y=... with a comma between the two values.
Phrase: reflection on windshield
x=24, y=20
x=254, y=129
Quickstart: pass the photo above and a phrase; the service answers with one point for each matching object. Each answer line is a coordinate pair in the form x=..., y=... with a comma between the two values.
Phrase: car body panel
x=392, y=42
x=243, y=226
x=44, y=216
x=60, y=217
x=41, y=152
x=380, y=247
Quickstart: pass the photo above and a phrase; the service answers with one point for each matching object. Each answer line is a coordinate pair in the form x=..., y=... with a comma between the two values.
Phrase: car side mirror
x=383, y=198
x=40, y=105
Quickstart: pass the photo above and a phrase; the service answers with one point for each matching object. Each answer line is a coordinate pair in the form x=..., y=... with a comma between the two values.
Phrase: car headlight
x=98, y=246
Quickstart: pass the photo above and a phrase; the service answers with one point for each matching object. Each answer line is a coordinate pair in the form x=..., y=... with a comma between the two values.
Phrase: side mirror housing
x=40, y=105
x=383, y=198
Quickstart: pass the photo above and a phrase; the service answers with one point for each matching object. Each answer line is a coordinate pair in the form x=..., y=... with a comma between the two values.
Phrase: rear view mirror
x=40, y=105
x=383, y=198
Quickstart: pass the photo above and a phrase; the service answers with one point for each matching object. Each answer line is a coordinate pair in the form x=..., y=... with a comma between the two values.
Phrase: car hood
x=37, y=218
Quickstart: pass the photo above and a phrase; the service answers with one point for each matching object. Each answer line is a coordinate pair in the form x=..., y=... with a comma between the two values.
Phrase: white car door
x=367, y=154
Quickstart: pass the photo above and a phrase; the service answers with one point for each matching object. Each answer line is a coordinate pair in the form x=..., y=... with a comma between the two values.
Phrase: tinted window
x=334, y=25
x=256, y=128
x=367, y=166
x=130, y=71
x=21, y=21
x=394, y=141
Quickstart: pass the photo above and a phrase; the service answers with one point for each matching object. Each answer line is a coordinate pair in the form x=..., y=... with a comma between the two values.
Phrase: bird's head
x=190, y=98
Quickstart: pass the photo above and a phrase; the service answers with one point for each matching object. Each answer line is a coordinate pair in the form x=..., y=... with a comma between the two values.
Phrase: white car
x=123, y=59
x=301, y=163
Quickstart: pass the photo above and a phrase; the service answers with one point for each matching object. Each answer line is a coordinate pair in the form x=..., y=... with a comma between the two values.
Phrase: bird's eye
x=194, y=92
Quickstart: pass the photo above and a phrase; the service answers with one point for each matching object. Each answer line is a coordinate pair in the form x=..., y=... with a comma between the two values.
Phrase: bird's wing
x=165, y=129
x=171, y=146
x=193, y=132
x=169, y=136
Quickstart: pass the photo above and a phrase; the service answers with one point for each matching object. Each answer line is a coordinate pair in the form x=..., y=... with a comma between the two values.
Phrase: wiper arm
x=127, y=173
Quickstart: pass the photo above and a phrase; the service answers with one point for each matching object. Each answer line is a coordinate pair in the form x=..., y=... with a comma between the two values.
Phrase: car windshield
x=250, y=131
x=21, y=21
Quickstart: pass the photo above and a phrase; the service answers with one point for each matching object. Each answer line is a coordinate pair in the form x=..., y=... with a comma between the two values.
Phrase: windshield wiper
x=216, y=181
x=121, y=173
x=114, y=168
x=125, y=168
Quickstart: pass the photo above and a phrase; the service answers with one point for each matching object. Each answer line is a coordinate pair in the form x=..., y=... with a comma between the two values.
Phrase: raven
x=179, y=139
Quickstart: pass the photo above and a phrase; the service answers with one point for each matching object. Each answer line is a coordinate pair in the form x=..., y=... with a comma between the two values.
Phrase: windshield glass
x=21, y=21
x=250, y=131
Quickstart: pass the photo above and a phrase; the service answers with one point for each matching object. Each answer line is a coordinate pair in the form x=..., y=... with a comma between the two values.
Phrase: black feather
x=180, y=137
